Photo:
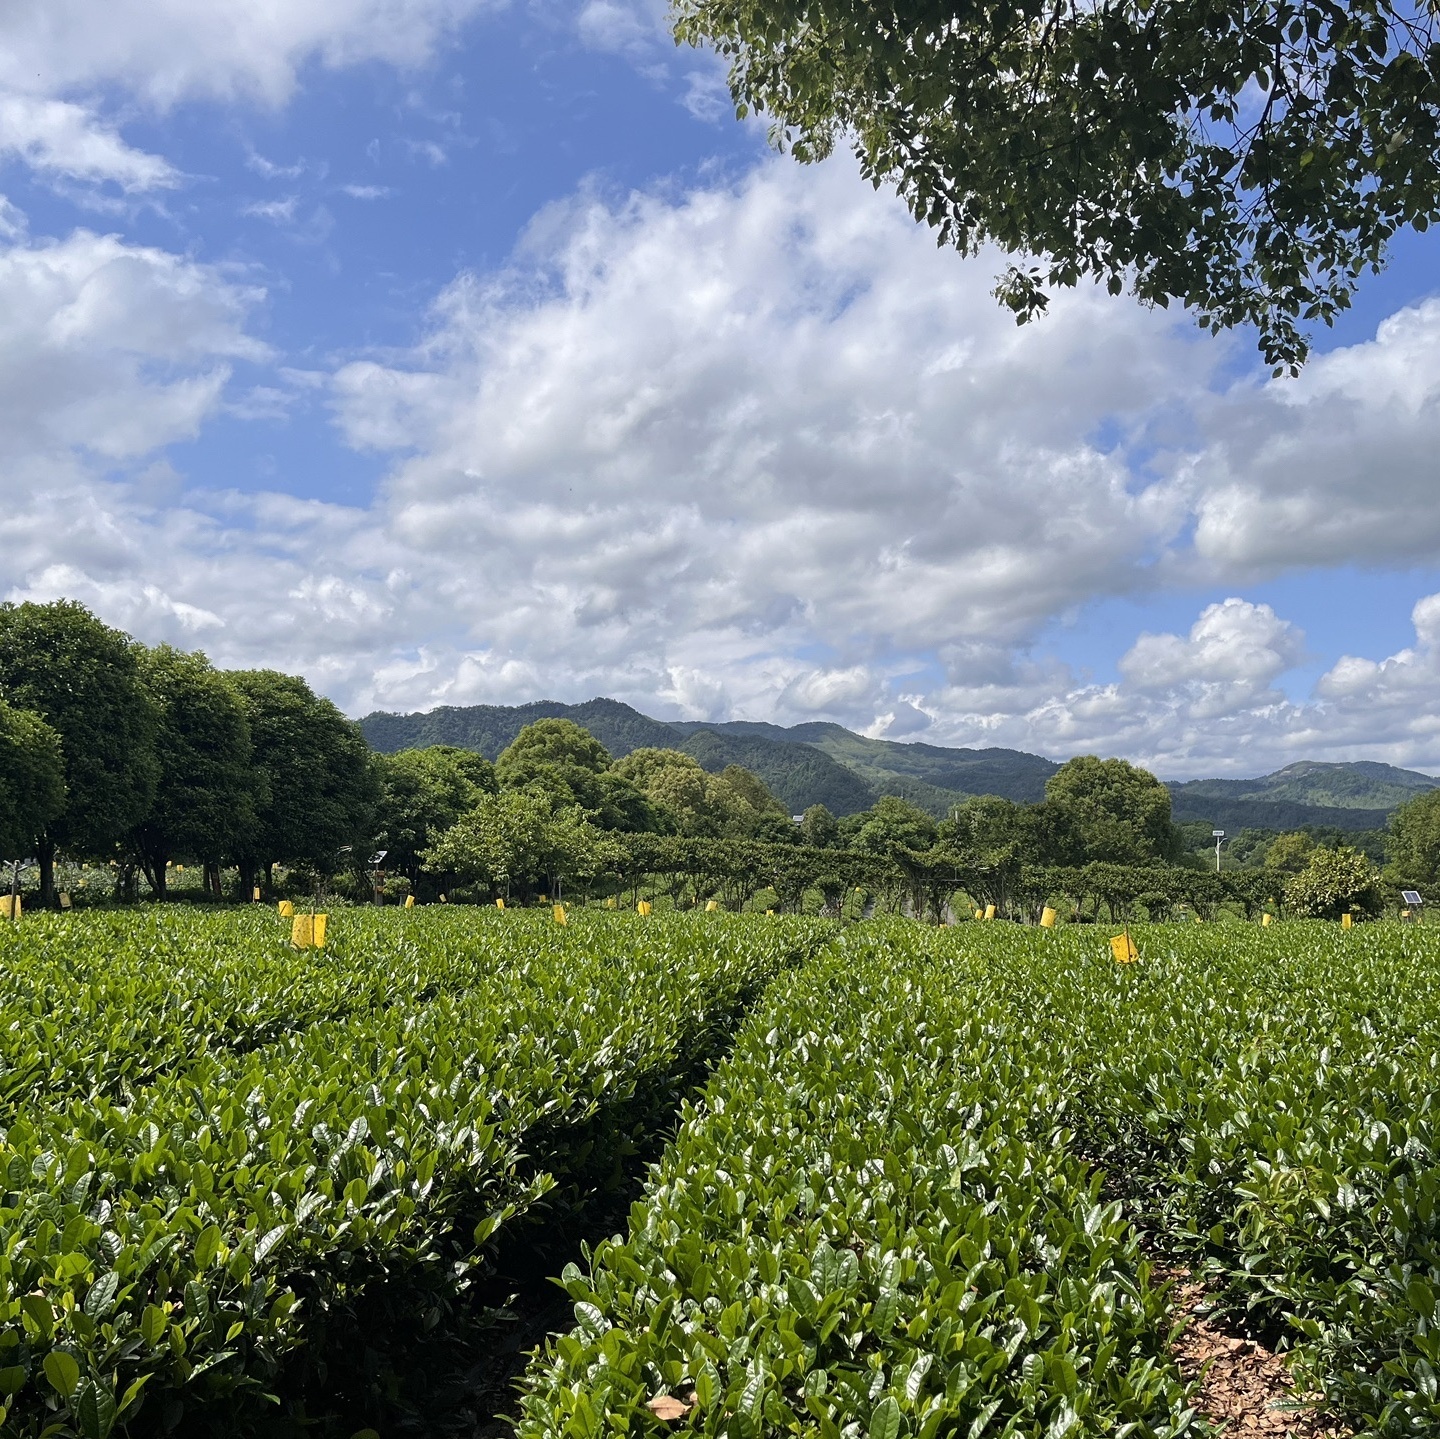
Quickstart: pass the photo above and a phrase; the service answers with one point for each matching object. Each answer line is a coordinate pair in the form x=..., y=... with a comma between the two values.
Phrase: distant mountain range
x=821, y=763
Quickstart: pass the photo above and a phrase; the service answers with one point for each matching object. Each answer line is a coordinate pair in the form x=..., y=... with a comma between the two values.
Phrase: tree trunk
x=46, y=856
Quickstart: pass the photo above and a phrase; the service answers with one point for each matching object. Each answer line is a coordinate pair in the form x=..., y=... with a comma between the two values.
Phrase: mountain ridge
x=821, y=762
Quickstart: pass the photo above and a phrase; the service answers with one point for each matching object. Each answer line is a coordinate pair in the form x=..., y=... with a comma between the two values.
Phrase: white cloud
x=163, y=51
x=59, y=138
x=56, y=57
x=758, y=451
x=111, y=348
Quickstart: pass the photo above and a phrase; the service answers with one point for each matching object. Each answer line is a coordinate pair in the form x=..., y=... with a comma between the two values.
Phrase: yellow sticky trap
x=179, y=869
x=1404, y=914
x=320, y=930
x=409, y=901
x=442, y=899
x=711, y=905
x=286, y=909
x=979, y=914
x=255, y=895
x=643, y=907
x=1198, y=920
x=1346, y=921
x=610, y=903
x=499, y=903
x=559, y=913
x=989, y=911
x=769, y=911
x=1123, y=948
x=64, y=900
x=1048, y=918
x=302, y=932
x=11, y=906
x=1266, y=920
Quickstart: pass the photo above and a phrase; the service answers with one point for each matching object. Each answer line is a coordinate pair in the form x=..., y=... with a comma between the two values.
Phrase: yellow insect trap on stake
x=1048, y=918
x=499, y=904
x=711, y=905
x=64, y=900
x=286, y=909
x=255, y=894
x=610, y=903
x=1123, y=948
x=643, y=907
x=1346, y=920
x=11, y=906
x=1266, y=920
x=409, y=901
x=989, y=911
x=307, y=931
x=559, y=913
x=979, y=914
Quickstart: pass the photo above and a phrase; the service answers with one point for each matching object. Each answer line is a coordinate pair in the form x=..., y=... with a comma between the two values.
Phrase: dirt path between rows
x=1243, y=1385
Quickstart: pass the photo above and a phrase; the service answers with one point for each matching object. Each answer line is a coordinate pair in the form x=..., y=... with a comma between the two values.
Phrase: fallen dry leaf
x=667, y=1407
x=1242, y=1384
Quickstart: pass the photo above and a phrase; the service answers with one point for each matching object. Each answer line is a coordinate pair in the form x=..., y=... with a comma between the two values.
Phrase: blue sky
x=453, y=352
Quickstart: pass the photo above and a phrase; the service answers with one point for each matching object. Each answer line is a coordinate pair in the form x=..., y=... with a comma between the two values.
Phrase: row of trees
x=114, y=751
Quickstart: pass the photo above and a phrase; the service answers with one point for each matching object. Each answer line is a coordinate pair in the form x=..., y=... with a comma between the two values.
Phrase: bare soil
x=1243, y=1385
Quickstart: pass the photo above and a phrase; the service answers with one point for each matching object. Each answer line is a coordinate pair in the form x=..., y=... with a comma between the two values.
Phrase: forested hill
x=821, y=763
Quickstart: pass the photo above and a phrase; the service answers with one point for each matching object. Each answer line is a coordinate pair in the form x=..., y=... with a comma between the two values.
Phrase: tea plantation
x=926, y=1182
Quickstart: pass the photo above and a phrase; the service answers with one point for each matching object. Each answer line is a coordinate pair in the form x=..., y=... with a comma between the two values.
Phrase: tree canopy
x=32, y=780
x=422, y=793
x=83, y=679
x=1110, y=810
x=318, y=786
x=1250, y=162
x=205, y=797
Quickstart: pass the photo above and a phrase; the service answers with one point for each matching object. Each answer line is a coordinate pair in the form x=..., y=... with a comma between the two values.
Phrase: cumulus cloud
x=54, y=58
x=59, y=138
x=163, y=51
x=759, y=451
x=1337, y=467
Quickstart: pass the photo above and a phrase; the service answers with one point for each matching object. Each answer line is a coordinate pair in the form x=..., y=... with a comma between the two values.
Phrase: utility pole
x=1218, y=835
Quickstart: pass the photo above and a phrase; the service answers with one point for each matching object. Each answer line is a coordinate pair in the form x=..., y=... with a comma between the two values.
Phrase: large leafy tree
x=32, y=781
x=1250, y=161
x=319, y=787
x=423, y=793
x=1414, y=845
x=83, y=679
x=205, y=799
x=573, y=768
x=1109, y=809
x=1332, y=882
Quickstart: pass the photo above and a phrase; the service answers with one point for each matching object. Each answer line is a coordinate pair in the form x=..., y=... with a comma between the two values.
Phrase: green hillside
x=1364, y=785
x=823, y=763
x=796, y=774
x=490, y=728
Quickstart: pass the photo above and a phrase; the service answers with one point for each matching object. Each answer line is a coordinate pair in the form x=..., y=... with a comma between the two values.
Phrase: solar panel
x=1411, y=897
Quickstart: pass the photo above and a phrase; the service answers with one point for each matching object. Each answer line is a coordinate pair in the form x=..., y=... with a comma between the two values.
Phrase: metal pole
x=14, y=891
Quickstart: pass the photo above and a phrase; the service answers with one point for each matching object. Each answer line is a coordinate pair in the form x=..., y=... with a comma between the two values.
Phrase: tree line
x=116, y=752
